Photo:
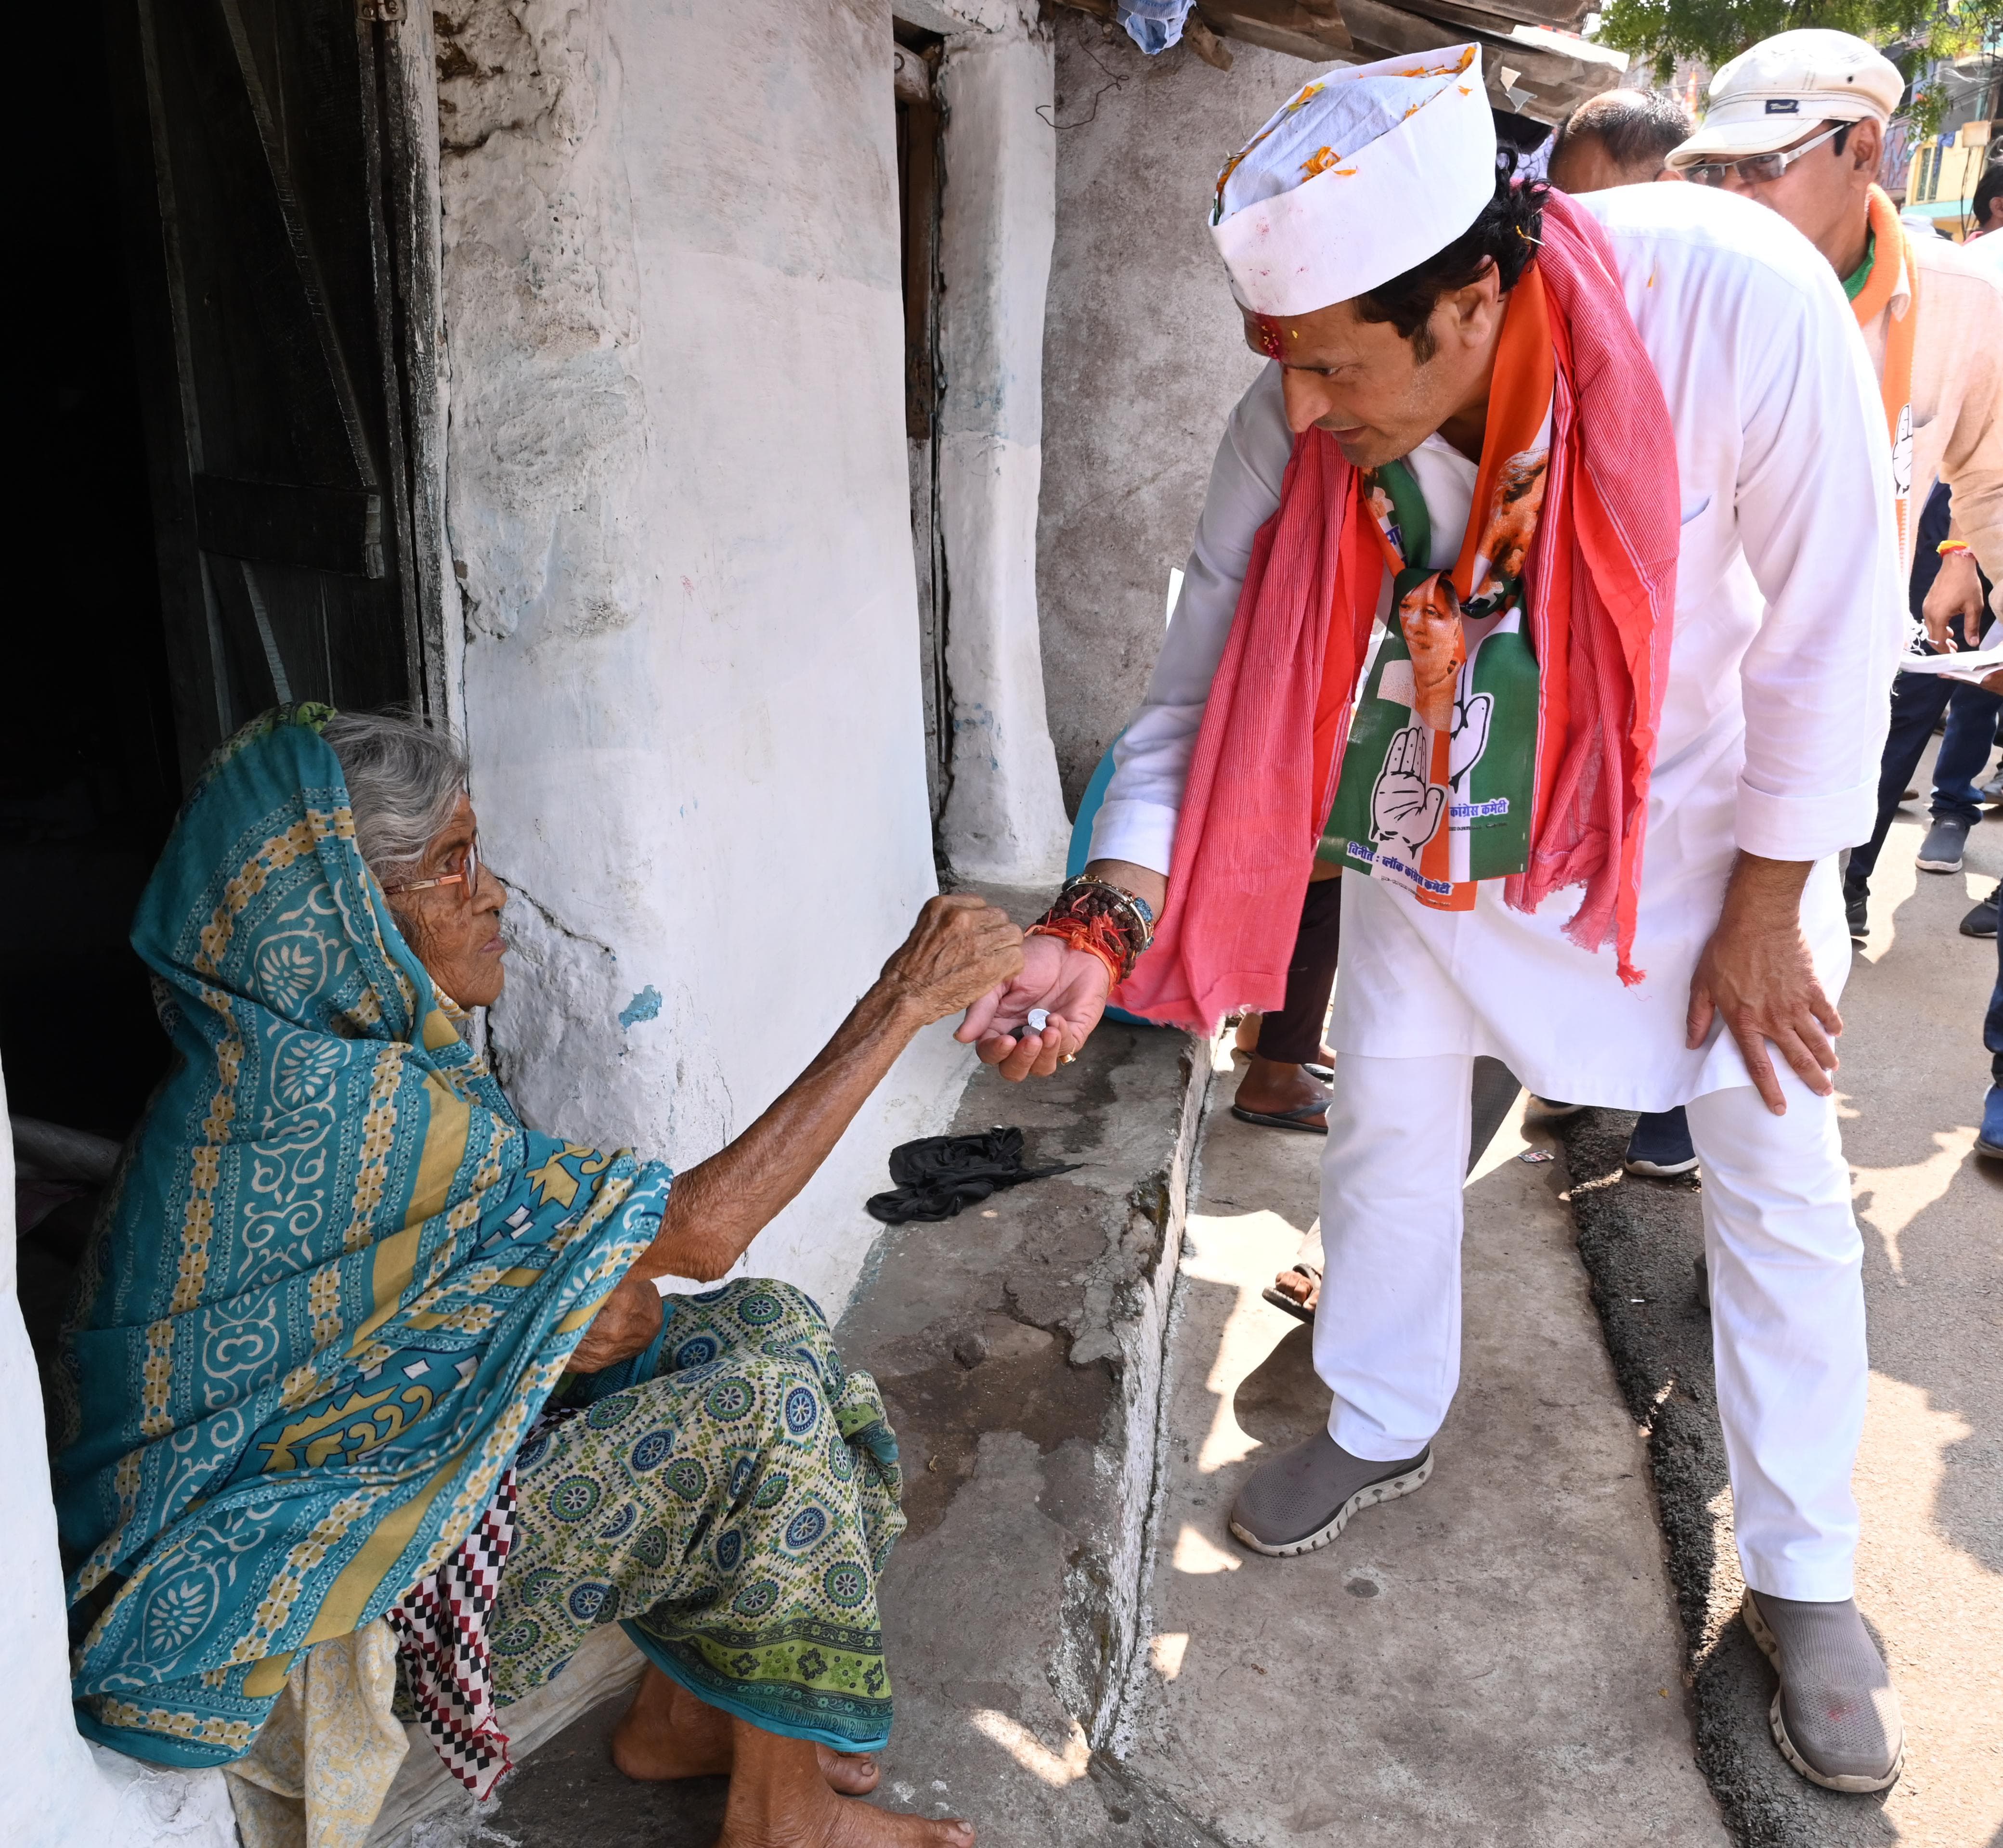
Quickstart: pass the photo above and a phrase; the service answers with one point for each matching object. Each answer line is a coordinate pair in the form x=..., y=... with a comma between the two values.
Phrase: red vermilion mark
x=1269, y=335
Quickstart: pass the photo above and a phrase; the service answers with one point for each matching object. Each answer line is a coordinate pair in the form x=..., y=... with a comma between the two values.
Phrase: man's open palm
x=1070, y=985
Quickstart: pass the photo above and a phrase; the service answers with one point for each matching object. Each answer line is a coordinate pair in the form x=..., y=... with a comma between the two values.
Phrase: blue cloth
x=336, y=1280
x=1155, y=25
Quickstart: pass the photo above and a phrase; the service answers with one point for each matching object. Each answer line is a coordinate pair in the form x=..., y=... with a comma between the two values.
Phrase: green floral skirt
x=734, y=1512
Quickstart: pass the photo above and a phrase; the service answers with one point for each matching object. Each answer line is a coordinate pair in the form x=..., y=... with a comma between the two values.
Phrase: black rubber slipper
x=1285, y=1120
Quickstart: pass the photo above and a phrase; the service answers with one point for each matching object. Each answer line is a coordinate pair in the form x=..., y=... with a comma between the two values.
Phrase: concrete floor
x=1495, y=1660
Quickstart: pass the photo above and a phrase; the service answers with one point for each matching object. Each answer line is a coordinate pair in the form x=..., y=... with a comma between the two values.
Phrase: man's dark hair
x=1504, y=232
x=1988, y=190
x=1635, y=128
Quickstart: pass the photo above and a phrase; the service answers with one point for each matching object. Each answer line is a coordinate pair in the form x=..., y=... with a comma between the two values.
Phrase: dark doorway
x=271, y=318
x=216, y=402
x=90, y=767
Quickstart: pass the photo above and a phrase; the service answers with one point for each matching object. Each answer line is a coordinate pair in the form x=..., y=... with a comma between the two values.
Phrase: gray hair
x=1635, y=126
x=405, y=776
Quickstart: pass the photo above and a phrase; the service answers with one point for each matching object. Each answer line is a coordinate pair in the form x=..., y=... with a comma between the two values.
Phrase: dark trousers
x=1917, y=702
x=1992, y=1028
x=1293, y=1036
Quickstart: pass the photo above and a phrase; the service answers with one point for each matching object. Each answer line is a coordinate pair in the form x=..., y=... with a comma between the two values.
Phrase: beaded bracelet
x=1094, y=914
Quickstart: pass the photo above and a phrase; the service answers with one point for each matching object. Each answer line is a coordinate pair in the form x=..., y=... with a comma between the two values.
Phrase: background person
x=1919, y=701
x=1986, y=208
x=1797, y=123
x=1619, y=137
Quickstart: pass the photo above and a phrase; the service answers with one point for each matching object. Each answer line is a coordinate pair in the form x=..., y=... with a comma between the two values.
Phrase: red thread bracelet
x=1083, y=933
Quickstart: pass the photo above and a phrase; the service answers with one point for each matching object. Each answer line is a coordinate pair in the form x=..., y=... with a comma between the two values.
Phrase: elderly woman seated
x=371, y=1394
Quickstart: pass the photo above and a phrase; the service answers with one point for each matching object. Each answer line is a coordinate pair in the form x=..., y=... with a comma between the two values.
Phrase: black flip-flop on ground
x=1280, y=1299
x=1285, y=1119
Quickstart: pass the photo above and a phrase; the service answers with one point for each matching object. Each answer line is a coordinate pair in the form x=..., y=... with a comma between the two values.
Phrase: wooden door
x=274, y=335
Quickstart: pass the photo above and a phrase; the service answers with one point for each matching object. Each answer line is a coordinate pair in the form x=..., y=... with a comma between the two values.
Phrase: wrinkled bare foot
x=1272, y=1088
x=853, y=1773
x=1246, y=1038
x=779, y=1799
x=668, y=1733
x=1298, y=1287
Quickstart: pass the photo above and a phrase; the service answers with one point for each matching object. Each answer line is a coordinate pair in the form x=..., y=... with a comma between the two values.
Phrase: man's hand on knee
x=1756, y=974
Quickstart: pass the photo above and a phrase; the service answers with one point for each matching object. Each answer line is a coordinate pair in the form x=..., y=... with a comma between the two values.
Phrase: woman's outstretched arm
x=960, y=947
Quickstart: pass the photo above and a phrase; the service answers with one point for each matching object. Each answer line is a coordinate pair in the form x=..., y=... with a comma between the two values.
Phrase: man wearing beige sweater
x=1797, y=123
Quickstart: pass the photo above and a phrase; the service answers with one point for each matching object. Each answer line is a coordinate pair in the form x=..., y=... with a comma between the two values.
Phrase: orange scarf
x=1893, y=251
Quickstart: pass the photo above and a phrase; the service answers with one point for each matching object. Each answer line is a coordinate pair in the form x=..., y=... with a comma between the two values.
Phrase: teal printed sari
x=334, y=1282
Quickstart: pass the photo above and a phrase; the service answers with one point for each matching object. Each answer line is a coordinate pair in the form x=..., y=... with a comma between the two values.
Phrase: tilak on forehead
x=1364, y=173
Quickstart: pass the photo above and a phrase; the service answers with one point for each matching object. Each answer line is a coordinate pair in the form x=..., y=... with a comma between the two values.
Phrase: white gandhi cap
x=1774, y=93
x=1365, y=173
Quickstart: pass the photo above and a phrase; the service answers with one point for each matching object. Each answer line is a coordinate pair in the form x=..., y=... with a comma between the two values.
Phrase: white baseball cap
x=1773, y=94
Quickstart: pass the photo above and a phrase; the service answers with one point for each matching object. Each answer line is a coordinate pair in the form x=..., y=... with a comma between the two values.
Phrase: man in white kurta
x=1772, y=723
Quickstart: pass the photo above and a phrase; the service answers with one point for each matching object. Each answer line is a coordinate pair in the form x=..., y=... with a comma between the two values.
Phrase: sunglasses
x=1756, y=170
x=466, y=878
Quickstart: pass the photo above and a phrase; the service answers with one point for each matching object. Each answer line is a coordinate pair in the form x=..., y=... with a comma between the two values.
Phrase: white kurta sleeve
x=1137, y=821
x=1815, y=516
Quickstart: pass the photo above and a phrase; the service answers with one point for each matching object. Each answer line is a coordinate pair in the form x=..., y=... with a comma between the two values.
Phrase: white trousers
x=1787, y=1297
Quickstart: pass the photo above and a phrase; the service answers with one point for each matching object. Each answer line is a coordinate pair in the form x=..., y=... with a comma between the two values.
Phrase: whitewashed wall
x=679, y=518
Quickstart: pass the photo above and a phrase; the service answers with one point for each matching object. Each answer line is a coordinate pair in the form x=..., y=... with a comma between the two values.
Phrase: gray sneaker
x=1835, y=1715
x=1304, y=1497
x=1941, y=850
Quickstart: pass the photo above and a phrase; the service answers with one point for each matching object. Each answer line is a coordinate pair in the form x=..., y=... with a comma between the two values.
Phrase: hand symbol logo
x=1405, y=807
x=1469, y=738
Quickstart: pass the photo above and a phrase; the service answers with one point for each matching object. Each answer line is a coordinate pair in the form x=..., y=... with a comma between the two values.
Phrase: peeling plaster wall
x=1143, y=358
x=680, y=523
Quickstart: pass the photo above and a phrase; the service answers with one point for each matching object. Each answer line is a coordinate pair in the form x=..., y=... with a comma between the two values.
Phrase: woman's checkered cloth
x=440, y=1629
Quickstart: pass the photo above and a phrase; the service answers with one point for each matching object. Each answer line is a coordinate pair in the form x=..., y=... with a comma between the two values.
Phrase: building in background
x=1939, y=170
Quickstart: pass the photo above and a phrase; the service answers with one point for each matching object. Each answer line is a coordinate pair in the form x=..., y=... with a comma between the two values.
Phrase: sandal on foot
x=1280, y=1300
x=1285, y=1120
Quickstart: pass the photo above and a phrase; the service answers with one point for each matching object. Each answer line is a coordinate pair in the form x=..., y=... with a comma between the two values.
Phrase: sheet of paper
x=1970, y=664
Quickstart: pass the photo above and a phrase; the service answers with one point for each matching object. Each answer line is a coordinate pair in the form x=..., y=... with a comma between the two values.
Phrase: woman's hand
x=626, y=1322
x=1071, y=985
x=961, y=947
